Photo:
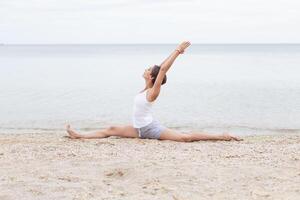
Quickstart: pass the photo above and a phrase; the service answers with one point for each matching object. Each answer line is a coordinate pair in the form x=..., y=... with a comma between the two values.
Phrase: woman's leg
x=122, y=131
x=169, y=134
x=205, y=136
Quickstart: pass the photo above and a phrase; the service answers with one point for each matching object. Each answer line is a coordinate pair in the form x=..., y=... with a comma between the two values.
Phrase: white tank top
x=142, y=110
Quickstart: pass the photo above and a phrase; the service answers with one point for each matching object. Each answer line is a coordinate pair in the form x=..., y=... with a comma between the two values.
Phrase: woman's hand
x=183, y=46
x=166, y=64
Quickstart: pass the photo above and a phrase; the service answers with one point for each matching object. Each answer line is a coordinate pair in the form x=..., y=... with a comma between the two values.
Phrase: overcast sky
x=149, y=21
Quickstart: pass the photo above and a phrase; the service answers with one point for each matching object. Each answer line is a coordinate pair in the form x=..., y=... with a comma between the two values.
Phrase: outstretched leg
x=204, y=136
x=121, y=131
x=169, y=134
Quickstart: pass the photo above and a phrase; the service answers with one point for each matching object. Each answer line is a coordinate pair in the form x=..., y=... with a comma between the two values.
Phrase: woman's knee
x=122, y=131
x=112, y=128
x=185, y=138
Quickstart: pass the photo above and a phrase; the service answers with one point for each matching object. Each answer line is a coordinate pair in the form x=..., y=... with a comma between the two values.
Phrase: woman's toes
x=237, y=138
x=227, y=137
x=71, y=133
x=68, y=126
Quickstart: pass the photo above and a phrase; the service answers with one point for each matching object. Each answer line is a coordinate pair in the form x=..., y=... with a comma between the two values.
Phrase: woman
x=144, y=126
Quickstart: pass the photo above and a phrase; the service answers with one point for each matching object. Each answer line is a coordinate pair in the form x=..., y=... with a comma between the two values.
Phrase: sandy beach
x=51, y=166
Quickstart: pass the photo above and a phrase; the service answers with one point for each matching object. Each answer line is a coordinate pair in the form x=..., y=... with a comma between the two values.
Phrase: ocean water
x=243, y=89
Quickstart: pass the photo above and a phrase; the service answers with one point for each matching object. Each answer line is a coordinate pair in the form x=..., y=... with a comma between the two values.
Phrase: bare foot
x=229, y=137
x=236, y=138
x=72, y=133
x=226, y=137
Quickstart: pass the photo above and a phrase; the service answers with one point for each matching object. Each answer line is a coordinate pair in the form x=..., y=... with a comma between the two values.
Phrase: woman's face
x=147, y=73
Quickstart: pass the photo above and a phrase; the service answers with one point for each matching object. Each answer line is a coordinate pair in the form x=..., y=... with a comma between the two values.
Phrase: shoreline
x=238, y=131
x=51, y=166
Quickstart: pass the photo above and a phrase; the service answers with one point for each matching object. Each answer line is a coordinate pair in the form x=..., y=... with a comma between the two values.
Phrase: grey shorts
x=151, y=131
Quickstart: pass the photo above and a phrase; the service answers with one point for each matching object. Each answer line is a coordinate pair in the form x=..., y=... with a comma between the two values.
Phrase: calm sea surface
x=244, y=89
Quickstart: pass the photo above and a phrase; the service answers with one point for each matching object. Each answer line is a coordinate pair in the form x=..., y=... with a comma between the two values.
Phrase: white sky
x=149, y=21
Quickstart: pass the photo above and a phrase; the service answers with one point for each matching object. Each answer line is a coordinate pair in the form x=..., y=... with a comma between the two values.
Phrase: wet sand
x=51, y=166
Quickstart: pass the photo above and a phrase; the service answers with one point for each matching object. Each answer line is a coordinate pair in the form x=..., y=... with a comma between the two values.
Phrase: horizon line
x=277, y=43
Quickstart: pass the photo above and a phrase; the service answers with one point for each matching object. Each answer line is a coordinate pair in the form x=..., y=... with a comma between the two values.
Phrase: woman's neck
x=147, y=86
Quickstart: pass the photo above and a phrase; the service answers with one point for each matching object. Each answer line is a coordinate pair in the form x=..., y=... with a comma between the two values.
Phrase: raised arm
x=165, y=66
x=167, y=63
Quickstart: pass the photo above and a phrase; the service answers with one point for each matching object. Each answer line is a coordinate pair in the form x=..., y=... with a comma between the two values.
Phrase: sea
x=244, y=89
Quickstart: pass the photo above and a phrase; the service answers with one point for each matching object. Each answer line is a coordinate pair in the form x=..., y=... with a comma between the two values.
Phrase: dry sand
x=50, y=166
